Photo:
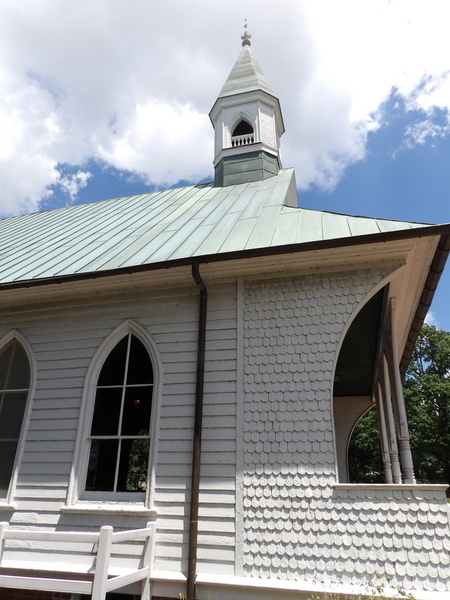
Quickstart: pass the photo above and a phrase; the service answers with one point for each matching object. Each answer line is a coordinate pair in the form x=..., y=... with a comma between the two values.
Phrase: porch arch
x=353, y=377
x=367, y=374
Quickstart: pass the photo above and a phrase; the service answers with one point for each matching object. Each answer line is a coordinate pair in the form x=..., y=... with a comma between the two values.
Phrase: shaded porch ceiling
x=354, y=370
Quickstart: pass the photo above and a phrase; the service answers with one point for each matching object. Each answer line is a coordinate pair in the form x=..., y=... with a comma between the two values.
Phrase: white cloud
x=72, y=184
x=132, y=83
x=163, y=143
x=419, y=133
x=430, y=319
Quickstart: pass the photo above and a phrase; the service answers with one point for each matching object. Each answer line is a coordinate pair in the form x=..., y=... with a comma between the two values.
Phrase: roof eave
x=434, y=274
x=373, y=238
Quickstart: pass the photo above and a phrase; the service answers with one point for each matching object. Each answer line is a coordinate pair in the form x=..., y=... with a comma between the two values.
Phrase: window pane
x=113, y=369
x=19, y=375
x=7, y=456
x=14, y=367
x=11, y=414
x=106, y=411
x=102, y=465
x=133, y=466
x=136, y=410
x=5, y=363
x=139, y=366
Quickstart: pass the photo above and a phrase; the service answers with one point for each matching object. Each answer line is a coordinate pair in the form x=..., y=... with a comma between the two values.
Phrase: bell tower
x=247, y=122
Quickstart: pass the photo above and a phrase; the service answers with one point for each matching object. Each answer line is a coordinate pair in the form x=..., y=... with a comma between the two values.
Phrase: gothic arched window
x=120, y=428
x=242, y=128
x=15, y=377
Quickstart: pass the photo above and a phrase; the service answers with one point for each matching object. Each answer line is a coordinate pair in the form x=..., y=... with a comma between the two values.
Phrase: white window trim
x=78, y=501
x=8, y=504
x=236, y=118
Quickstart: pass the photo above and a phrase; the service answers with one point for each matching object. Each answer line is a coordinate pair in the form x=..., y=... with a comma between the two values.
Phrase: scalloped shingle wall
x=297, y=525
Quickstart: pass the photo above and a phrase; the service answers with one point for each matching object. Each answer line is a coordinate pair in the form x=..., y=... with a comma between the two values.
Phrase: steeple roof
x=245, y=76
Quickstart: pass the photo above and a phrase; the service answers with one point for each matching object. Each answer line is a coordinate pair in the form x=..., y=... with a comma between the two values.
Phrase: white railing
x=101, y=582
x=242, y=140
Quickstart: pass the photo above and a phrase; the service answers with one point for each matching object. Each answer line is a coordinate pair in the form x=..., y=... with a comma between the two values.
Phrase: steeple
x=248, y=123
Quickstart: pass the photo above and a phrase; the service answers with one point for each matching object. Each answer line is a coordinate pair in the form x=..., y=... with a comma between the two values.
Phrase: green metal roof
x=164, y=226
x=245, y=76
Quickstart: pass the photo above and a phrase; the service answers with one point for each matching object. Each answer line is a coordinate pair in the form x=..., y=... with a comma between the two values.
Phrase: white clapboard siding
x=54, y=492
x=218, y=468
x=64, y=336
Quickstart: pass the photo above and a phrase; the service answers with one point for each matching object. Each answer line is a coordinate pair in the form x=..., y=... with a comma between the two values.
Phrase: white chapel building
x=180, y=375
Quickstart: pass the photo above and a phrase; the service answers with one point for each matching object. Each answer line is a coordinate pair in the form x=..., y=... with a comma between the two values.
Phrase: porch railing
x=102, y=582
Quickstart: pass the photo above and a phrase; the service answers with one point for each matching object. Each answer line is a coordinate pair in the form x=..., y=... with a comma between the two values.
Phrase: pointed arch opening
x=15, y=382
x=113, y=470
x=119, y=437
x=243, y=134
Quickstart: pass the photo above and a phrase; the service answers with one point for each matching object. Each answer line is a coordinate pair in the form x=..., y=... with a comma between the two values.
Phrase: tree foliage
x=427, y=397
x=364, y=454
x=426, y=389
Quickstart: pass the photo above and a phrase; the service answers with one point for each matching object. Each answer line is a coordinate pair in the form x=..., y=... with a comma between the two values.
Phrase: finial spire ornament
x=246, y=35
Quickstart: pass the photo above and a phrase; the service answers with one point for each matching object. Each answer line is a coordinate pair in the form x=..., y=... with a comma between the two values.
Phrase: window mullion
x=122, y=403
x=124, y=385
x=116, y=474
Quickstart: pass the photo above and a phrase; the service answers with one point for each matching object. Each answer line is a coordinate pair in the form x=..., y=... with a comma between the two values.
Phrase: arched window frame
x=80, y=501
x=243, y=116
x=8, y=502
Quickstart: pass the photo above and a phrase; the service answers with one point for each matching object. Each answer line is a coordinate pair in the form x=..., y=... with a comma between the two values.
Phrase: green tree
x=364, y=455
x=427, y=396
x=426, y=388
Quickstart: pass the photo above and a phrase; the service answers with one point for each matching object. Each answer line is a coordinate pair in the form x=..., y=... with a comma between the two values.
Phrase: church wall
x=64, y=337
x=299, y=524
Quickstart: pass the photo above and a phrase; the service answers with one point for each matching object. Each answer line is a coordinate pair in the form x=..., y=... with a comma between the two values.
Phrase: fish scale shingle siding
x=298, y=525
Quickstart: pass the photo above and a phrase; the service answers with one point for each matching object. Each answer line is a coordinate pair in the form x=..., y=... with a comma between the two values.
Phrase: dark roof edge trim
x=360, y=240
x=431, y=283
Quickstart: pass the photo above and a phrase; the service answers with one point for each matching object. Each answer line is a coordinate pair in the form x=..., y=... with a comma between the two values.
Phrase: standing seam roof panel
x=179, y=223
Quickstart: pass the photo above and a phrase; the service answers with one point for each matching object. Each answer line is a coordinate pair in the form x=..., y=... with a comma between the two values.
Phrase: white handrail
x=102, y=582
x=131, y=534
x=50, y=536
x=242, y=140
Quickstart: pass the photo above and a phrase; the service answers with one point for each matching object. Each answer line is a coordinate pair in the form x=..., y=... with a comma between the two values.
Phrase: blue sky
x=102, y=98
x=396, y=182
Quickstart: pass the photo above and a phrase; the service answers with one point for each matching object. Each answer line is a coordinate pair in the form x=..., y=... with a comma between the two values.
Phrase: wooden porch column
x=398, y=400
x=383, y=433
x=391, y=434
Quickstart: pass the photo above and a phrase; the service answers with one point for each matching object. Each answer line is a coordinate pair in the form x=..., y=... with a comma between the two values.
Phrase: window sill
x=110, y=508
x=6, y=506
